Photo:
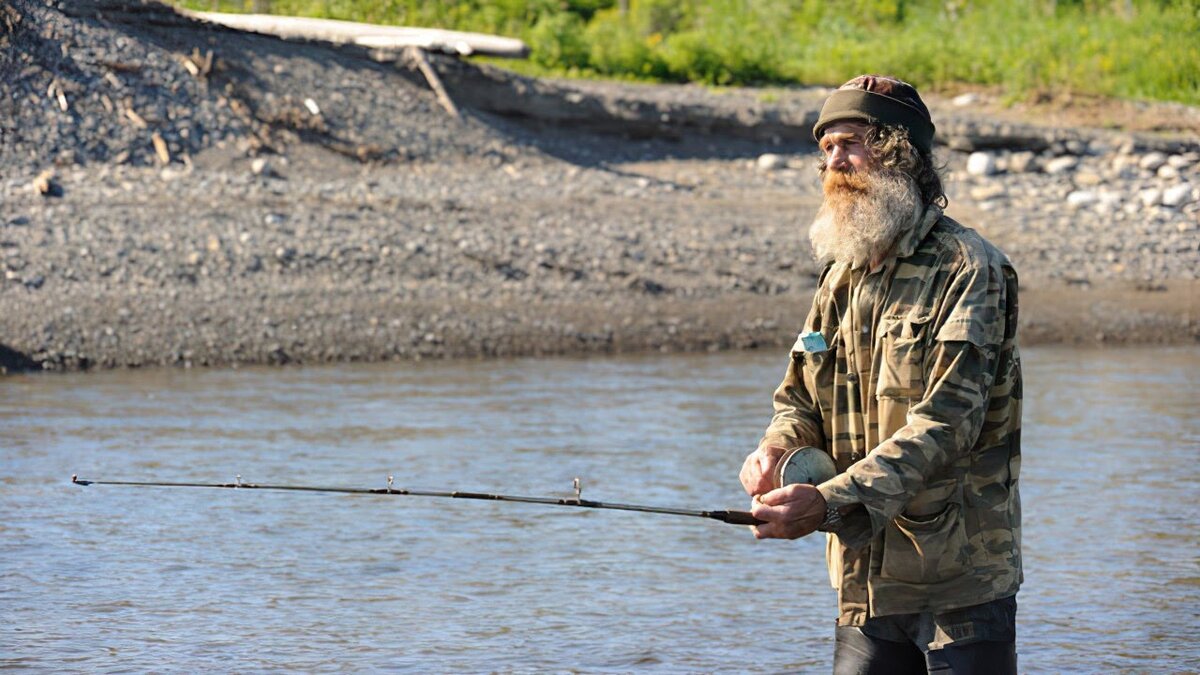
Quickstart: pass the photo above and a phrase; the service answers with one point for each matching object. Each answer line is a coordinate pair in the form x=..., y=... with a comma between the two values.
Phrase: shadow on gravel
x=607, y=148
x=13, y=361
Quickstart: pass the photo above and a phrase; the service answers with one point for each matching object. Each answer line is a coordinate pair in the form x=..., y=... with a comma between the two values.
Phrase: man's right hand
x=757, y=470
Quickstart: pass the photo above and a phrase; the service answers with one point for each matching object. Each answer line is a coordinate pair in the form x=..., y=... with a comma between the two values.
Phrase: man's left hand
x=791, y=512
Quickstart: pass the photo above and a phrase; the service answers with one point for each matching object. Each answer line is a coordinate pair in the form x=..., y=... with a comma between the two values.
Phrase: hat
x=879, y=99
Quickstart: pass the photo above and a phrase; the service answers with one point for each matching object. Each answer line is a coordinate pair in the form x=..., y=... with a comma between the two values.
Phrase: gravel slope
x=316, y=205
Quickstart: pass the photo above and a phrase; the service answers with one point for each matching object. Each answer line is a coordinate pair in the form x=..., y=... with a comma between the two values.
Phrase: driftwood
x=417, y=56
x=368, y=35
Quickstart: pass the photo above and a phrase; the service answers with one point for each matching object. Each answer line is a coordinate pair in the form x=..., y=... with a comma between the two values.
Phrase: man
x=907, y=374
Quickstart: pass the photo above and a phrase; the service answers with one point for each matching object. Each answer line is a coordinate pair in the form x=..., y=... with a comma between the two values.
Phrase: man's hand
x=791, y=512
x=757, y=470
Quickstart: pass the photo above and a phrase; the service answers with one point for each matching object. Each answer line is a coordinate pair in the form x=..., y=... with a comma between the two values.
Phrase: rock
x=981, y=164
x=1179, y=161
x=1167, y=172
x=963, y=100
x=1061, y=164
x=1088, y=179
x=46, y=185
x=990, y=191
x=1109, y=201
x=1076, y=147
x=1177, y=195
x=1081, y=198
x=261, y=166
x=1150, y=196
x=1152, y=161
x=1022, y=162
x=771, y=162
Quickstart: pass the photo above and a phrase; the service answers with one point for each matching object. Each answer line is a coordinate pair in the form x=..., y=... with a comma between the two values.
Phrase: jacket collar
x=909, y=242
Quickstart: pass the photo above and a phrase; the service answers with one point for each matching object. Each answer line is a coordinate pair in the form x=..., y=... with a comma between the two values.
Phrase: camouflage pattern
x=918, y=401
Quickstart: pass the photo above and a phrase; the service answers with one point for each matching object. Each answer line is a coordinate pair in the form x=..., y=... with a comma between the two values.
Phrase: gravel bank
x=309, y=204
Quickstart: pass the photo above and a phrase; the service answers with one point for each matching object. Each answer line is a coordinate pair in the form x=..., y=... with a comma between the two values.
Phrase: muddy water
x=104, y=579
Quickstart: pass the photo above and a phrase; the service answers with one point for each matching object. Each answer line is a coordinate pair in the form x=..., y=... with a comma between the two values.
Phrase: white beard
x=860, y=224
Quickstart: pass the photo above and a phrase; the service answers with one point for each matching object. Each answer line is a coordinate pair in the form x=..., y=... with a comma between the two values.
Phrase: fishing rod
x=731, y=517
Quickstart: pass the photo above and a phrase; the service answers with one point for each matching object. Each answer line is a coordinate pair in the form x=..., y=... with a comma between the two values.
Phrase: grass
x=1130, y=49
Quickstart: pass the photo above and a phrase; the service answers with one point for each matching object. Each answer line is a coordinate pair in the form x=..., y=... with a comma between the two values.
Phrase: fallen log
x=368, y=35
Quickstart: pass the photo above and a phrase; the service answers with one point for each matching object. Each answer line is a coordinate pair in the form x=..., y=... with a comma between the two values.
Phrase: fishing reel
x=807, y=464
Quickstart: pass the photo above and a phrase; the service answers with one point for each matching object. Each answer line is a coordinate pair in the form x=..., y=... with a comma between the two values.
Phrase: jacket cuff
x=838, y=491
x=782, y=440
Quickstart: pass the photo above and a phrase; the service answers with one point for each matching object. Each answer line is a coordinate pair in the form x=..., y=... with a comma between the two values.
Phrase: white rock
x=1177, y=195
x=967, y=99
x=260, y=166
x=1081, y=198
x=1150, y=196
x=1152, y=161
x=1109, y=200
x=1179, y=161
x=771, y=162
x=981, y=164
x=1061, y=164
x=1168, y=172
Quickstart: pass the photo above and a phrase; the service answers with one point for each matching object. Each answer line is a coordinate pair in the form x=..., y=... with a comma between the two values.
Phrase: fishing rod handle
x=737, y=518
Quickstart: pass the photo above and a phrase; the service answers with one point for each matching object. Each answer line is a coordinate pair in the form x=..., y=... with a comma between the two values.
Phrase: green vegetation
x=1140, y=49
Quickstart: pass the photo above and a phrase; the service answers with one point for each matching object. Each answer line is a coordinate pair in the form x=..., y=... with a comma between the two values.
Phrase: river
x=108, y=579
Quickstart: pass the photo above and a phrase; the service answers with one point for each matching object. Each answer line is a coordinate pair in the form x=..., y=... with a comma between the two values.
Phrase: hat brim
x=858, y=105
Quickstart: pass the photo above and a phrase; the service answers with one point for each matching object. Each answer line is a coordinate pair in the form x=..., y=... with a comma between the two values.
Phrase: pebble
x=261, y=167
x=1061, y=164
x=981, y=164
x=1022, y=162
x=1081, y=198
x=771, y=162
x=1167, y=172
x=964, y=100
x=1152, y=160
x=1177, y=195
x=991, y=191
x=1150, y=196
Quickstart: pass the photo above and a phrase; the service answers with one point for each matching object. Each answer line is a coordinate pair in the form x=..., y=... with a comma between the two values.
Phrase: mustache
x=844, y=181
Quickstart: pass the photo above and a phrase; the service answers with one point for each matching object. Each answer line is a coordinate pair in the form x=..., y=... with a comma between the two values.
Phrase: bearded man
x=907, y=375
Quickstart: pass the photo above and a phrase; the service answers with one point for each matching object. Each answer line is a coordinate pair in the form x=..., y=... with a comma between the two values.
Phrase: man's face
x=866, y=208
x=844, y=145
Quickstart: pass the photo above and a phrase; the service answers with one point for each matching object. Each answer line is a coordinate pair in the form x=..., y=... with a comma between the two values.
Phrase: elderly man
x=907, y=375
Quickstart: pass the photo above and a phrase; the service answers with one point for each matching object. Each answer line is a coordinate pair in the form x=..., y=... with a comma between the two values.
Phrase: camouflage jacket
x=917, y=397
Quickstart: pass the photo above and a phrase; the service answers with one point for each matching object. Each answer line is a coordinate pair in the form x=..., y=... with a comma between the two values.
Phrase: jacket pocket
x=902, y=358
x=926, y=550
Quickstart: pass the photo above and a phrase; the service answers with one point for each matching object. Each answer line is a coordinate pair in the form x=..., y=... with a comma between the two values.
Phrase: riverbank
x=381, y=227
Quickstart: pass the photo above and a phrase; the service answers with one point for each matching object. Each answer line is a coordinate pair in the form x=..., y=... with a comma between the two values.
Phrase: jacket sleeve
x=945, y=424
x=797, y=420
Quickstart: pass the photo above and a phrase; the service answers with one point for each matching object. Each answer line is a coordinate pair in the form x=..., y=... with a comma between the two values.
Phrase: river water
x=107, y=579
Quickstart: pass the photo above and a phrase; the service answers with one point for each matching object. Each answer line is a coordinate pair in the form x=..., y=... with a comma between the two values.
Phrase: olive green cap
x=877, y=99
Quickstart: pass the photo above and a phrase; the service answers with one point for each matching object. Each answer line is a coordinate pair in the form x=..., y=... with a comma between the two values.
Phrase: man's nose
x=837, y=159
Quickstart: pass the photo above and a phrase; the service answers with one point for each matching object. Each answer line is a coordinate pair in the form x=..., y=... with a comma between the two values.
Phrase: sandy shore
x=381, y=228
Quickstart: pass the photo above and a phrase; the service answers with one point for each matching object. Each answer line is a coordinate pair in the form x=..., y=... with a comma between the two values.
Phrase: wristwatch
x=833, y=520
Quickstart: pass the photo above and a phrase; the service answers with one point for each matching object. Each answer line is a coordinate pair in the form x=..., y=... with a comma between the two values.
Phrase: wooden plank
x=368, y=35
